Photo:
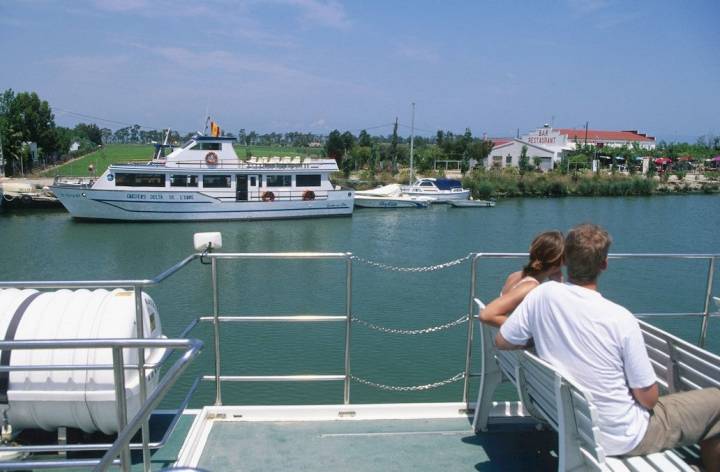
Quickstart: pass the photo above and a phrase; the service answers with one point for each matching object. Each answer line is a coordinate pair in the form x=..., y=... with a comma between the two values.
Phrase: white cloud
x=588, y=6
x=323, y=12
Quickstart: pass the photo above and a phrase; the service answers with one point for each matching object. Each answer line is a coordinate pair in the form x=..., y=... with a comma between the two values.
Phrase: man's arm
x=646, y=396
x=639, y=373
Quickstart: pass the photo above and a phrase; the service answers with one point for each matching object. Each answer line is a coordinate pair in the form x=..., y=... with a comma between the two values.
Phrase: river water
x=50, y=245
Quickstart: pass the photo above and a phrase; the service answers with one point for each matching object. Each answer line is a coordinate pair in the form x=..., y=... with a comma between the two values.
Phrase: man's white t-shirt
x=596, y=343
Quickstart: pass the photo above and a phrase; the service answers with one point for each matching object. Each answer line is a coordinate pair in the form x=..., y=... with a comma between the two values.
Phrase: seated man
x=599, y=345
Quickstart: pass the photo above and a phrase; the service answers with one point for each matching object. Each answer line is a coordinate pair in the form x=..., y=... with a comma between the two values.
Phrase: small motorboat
x=389, y=196
x=472, y=203
x=439, y=190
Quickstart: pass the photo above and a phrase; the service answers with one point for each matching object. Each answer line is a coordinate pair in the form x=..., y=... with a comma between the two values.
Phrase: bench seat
x=557, y=401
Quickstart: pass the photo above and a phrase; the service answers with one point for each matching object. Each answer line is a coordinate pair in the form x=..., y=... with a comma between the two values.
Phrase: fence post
x=468, y=349
x=708, y=296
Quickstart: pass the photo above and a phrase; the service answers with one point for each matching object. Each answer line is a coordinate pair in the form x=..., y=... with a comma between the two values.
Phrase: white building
x=549, y=144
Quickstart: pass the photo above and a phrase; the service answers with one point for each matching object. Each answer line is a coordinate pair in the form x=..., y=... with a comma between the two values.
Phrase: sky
x=316, y=65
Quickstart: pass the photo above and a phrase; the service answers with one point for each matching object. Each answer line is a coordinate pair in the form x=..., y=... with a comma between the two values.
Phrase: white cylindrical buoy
x=80, y=398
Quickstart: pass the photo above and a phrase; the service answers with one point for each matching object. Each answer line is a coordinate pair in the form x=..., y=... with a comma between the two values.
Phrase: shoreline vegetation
x=509, y=183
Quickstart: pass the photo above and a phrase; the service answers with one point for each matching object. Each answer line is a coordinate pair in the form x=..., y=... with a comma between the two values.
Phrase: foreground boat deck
x=437, y=444
x=363, y=438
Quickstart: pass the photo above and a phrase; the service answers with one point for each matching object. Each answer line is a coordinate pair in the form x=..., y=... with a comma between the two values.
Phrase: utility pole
x=587, y=123
x=412, y=141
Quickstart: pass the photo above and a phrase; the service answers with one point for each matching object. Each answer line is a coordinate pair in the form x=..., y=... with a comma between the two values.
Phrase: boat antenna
x=412, y=141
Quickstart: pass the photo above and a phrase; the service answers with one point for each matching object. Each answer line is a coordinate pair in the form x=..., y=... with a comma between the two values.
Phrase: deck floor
x=417, y=445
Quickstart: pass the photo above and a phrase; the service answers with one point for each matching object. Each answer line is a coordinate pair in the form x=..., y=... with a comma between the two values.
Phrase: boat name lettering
x=158, y=196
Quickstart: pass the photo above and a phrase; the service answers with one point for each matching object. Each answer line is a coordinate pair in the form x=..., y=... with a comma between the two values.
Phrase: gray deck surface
x=377, y=445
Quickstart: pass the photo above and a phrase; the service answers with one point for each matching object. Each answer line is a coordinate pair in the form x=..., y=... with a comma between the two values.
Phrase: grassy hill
x=120, y=153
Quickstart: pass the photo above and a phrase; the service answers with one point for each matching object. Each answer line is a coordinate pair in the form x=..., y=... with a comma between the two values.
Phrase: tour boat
x=389, y=196
x=440, y=190
x=205, y=180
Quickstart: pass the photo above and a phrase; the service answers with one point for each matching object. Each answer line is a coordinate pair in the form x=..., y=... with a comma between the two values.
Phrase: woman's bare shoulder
x=511, y=280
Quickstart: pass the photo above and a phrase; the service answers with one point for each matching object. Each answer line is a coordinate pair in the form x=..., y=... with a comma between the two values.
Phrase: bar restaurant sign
x=546, y=137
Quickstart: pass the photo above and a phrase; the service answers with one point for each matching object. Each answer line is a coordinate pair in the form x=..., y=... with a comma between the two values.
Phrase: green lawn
x=120, y=153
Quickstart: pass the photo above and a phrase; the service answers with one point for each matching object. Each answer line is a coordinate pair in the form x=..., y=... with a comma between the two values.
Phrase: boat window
x=139, y=180
x=183, y=180
x=426, y=184
x=312, y=180
x=253, y=181
x=216, y=181
x=278, y=181
x=206, y=147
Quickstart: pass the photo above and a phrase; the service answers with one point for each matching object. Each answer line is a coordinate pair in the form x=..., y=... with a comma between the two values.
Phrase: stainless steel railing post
x=468, y=348
x=708, y=296
x=216, y=329
x=140, y=334
x=121, y=403
x=348, y=326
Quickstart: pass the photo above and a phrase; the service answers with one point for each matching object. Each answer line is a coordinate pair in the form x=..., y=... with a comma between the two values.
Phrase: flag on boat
x=214, y=129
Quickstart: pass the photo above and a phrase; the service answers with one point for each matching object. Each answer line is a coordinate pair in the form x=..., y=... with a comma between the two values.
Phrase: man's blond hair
x=586, y=249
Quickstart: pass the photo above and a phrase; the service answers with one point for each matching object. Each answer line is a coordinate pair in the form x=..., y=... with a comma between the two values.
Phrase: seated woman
x=545, y=263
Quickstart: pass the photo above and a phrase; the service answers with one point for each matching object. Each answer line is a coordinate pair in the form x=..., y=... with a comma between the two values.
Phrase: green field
x=121, y=153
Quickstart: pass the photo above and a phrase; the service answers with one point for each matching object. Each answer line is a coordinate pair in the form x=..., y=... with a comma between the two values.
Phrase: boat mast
x=412, y=141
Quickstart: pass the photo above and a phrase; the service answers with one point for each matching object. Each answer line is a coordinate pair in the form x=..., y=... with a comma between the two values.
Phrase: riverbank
x=485, y=184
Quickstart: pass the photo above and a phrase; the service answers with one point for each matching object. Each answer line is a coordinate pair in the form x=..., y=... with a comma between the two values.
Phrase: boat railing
x=219, y=316
x=127, y=427
x=254, y=165
x=75, y=181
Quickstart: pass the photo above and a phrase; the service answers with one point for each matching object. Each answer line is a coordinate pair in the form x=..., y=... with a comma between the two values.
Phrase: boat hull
x=438, y=196
x=87, y=203
x=390, y=202
x=472, y=203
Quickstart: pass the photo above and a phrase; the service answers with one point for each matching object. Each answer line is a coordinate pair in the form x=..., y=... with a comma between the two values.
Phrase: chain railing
x=409, y=388
x=411, y=332
x=430, y=268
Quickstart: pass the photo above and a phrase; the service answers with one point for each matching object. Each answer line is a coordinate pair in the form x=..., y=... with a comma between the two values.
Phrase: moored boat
x=389, y=196
x=440, y=190
x=205, y=180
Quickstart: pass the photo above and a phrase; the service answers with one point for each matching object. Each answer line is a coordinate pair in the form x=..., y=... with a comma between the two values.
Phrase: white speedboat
x=205, y=180
x=440, y=190
x=389, y=196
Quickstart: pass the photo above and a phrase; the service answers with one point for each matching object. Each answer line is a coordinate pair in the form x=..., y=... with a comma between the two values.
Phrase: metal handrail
x=216, y=319
x=705, y=314
x=117, y=345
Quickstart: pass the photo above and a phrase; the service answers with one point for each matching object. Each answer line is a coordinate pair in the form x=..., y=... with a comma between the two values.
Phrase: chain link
x=412, y=332
x=411, y=388
x=432, y=268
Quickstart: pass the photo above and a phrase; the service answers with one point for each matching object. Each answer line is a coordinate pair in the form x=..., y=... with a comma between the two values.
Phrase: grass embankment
x=121, y=153
x=486, y=184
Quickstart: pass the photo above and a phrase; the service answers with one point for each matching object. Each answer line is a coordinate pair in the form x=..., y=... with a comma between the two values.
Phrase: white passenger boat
x=440, y=190
x=389, y=196
x=205, y=180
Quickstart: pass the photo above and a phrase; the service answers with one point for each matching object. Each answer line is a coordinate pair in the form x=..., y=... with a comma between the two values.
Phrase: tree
x=335, y=146
x=364, y=139
x=26, y=118
x=394, y=147
x=524, y=162
x=90, y=132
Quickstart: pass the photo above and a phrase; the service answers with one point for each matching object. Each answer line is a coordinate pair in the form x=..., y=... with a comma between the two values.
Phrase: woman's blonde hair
x=546, y=251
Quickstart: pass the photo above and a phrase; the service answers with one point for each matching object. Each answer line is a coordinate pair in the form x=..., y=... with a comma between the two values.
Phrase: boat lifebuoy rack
x=211, y=158
x=308, y=195
x=268, y=197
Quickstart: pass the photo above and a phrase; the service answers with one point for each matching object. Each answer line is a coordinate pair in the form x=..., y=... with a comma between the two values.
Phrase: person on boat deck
x=599, y=345
x=546, y=253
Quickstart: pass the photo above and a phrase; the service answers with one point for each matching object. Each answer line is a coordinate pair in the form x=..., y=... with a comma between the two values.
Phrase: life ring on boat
x=268, y=197
x=309, y=195
x=211, y=158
